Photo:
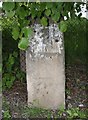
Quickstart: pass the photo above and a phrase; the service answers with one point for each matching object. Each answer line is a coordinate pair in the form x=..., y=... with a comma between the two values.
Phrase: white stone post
x=45, y=68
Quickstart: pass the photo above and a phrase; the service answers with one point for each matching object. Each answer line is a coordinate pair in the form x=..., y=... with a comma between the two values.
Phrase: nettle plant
x=24, y=14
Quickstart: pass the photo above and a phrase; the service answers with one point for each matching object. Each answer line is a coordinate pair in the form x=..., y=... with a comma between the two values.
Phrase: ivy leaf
x=28, y=32
x=7, y=6
x=15, y=33
x=10, y=14
x=44, y=21
x=48, y=12
x=62, y=26
x=23, y=44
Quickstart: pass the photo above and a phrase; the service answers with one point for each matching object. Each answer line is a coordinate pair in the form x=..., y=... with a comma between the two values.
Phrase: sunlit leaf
x=44, y=21
x=23, y=44
x=10, y=14
x=48, y=12
x=62, y=26
x=28, y=32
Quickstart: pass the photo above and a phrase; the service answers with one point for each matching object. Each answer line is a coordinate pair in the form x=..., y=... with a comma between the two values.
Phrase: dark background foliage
x=76, y=43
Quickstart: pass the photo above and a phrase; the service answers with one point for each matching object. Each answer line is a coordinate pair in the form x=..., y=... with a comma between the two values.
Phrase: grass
x=28, y=112
x=36, y=112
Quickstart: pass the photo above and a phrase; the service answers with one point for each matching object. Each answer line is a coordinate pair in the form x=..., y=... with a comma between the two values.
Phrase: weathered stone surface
x=45, y=68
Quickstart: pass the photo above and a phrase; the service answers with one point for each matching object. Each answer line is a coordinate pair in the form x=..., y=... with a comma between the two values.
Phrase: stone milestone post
x=45, y=68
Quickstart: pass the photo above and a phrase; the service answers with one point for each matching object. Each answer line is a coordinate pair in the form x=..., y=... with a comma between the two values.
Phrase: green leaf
x=12, y=78
x=28, y=32
x=62, y=26
x=9, y=84
x=15, y=54
x=75, y=114
x=7, y=114
x=48, y=12
x=33, y=13
x=7, y=6
x=23, y=44
x=49, y=5
x=56, y=16
x=11, y=60
x=44, y=21
x=10, y=14
x=21, y=12
x=54, y=10
x=15, y=32
x=60, y=6
x=43, y=6
x=69, y=112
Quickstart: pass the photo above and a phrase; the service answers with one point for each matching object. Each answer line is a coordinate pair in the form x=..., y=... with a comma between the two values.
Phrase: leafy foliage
x=8, y=76
x=5, y=109
x=15, y=32
x=27, y=32
x=63, y=26
x=76, y=113
x=10, y=54
x=23, y=44
x=44, y=21
x=61, y=113
x=8, y=6
x=23, y=15
x=11, y=71
x=6, y=115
